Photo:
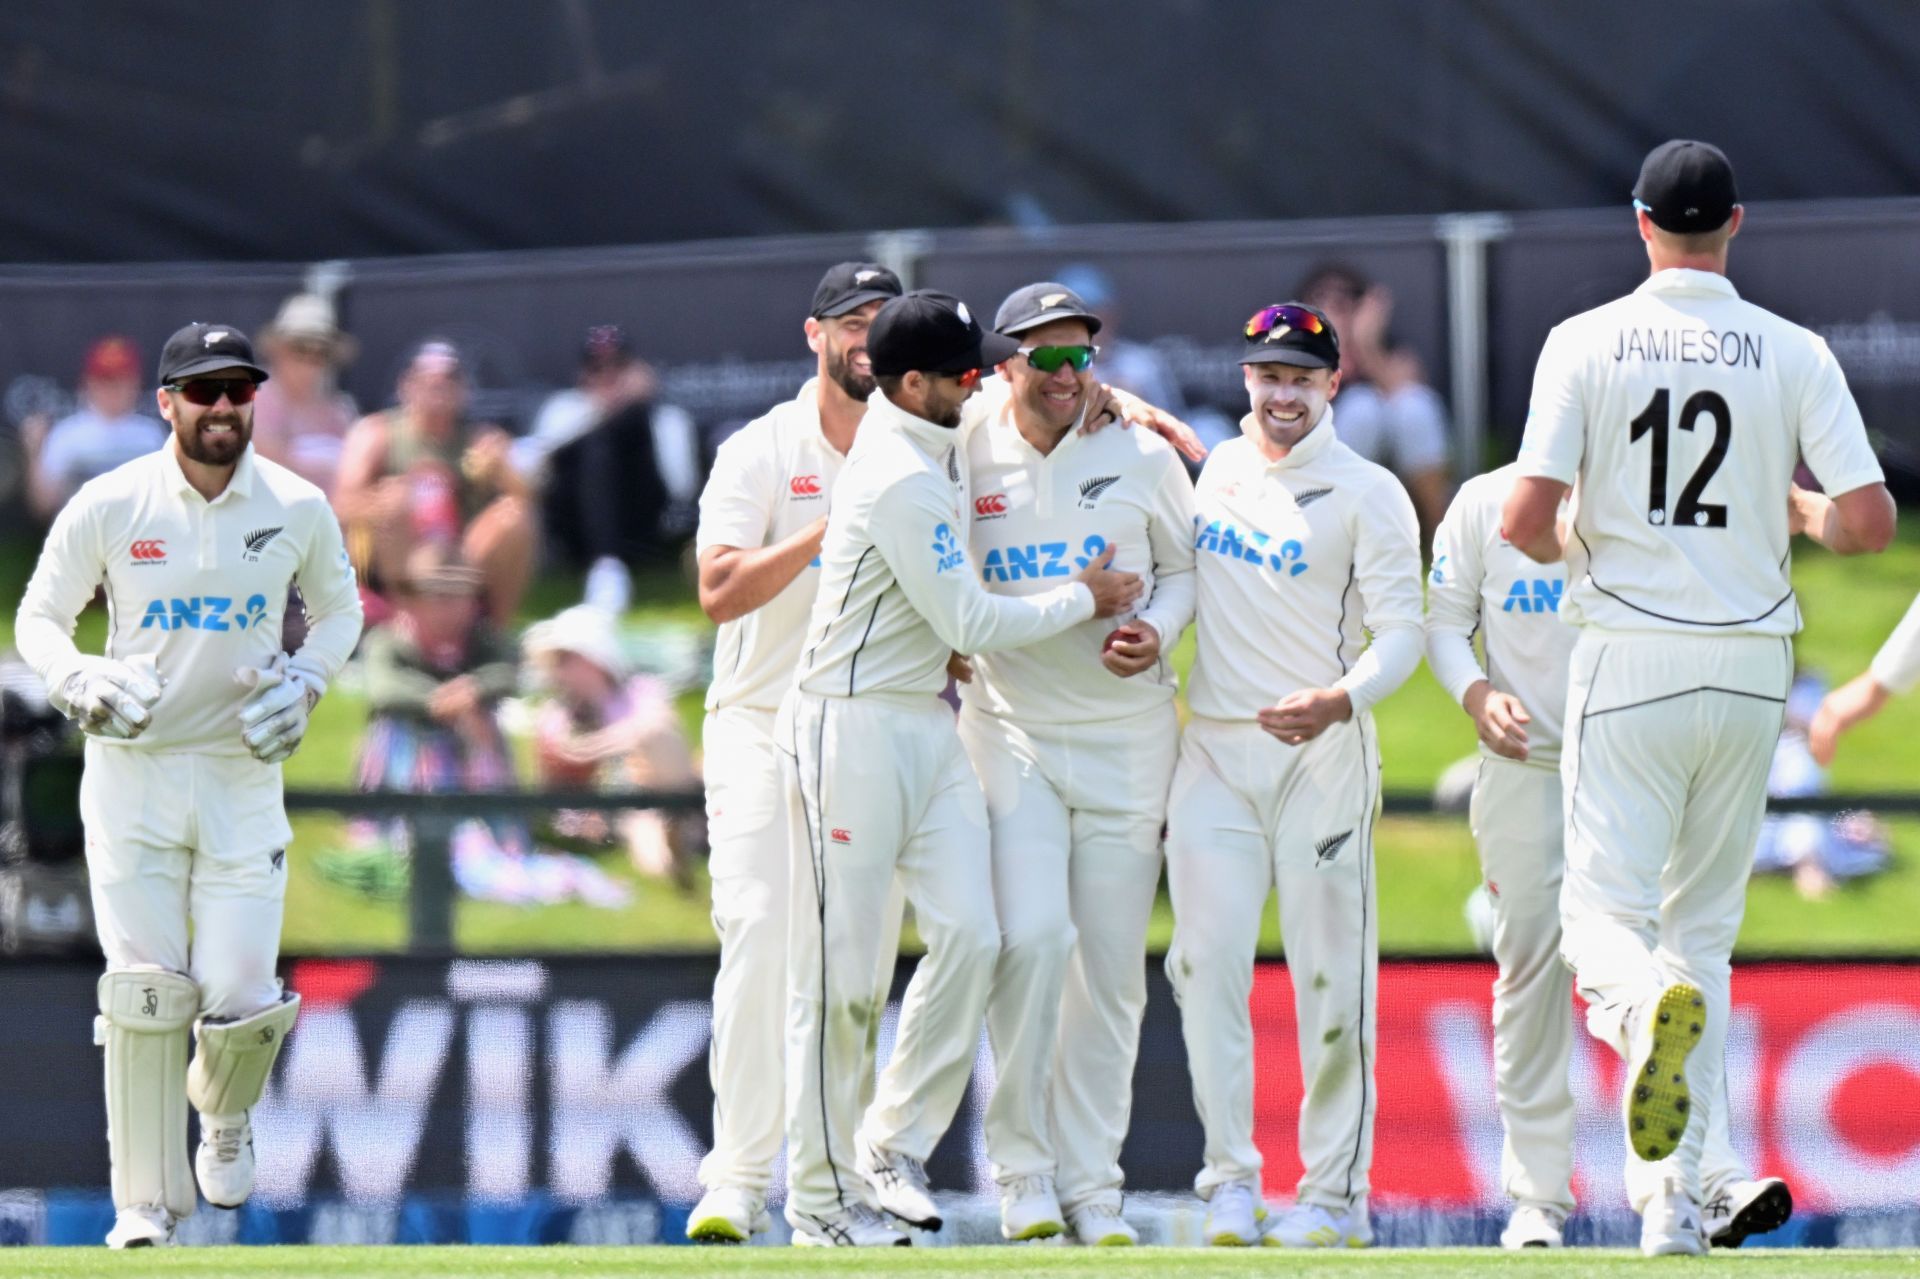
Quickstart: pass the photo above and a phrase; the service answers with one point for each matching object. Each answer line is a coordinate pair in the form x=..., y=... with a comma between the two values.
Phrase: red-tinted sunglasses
x=1284, y=315
x=969, y=379
x=206, y=391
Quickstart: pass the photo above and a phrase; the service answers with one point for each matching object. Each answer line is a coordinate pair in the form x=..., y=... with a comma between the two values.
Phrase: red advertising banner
x=1823, y=1074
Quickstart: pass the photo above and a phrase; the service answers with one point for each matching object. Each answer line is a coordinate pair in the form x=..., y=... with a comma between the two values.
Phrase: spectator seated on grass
x=1818, y=851
x=436, y=672
x=604, y=727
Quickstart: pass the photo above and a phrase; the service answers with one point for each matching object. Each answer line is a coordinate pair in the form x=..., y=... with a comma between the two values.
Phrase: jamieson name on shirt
x=1688, y=346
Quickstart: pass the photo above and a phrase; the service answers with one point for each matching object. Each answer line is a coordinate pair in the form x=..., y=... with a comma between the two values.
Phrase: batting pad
x=144, y=1014
x=234, y=1057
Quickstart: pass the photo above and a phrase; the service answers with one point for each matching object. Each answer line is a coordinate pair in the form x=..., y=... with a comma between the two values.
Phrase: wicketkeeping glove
x=107, y=698
x=274, y=719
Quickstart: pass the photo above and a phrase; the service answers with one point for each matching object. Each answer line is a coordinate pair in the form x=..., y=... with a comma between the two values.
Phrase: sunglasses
x=967, y=380
x=1284, y=316
x=206, y=391
x=1049, y=359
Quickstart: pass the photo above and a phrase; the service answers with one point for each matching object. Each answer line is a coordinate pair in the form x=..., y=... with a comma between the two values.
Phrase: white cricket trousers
x=748, y=861
x=178, y=836
x=1669, y=738
x=1249, y=814
x=1076, y=812
x=880, y=786
x=1518, y=824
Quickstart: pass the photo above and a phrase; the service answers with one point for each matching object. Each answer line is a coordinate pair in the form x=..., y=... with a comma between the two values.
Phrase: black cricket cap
x=853, y=284
x=1042, y=303
x=207, y=348
x=1687, y=187
x=1285, y=333
x=934, y=333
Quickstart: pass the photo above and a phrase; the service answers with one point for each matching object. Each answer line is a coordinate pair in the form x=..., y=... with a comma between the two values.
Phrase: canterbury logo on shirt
x=1249, y=546
x=148, y=550
x=804, y=486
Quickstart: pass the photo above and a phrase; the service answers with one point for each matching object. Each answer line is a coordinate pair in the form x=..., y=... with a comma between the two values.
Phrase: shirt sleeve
x=1170, y=538
x=331, y=594
x=913, y=531
x=1833, y=438
x=1386, y=569
x=72, y=563
x=1556, y=435
x=736, y=506
x=1896, y=667
x=1453, y=597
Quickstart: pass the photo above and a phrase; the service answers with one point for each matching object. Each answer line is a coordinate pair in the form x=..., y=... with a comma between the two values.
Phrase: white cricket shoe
x=1670, y=1227
x=855, y=1227
x=1746, y=1208
x=1029, y=1209
x=224, y=1162
x=1317, y=1226
x=1232, y=1220
x=142, y=1226
x=1534, y=1226
x=1101, y=1226
x=1665, y=1031
x=900, y=1184
x=728, y=1214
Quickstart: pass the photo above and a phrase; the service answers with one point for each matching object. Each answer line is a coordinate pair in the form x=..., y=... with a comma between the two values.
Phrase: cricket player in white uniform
x=1895, y=669
x=188, y=716
x=1073, y=739
x=762, y=516
x=881, y=786
x=1302, y=545
x=1482, y=583
x=1677, y=415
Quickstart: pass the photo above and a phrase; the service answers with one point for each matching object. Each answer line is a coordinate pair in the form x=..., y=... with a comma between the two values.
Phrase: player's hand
x=1113, y=592
x=274, y=719
x=1300, y=717
x=488, y=457
x=815, y=536
x=1860, y=698
x=1131, y=648
x=1500, y=719
x=1107, y=404
x=959, y=669
x=106, y=698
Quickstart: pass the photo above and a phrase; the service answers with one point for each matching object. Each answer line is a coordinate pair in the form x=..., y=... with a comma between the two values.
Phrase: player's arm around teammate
x=1895, y=669
x=1303, y=549
x=188, y=717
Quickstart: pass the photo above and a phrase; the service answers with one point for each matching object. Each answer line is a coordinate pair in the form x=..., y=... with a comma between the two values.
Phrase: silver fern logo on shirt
x=1090, y=490
x=257, y=541
x=1308, y=498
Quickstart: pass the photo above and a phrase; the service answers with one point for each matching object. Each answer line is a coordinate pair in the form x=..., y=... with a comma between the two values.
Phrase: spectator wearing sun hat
x=300, y=415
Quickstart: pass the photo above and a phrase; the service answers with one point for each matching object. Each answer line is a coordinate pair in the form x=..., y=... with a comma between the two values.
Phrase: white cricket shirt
x=1296, y=561
x=1036, y=519
x=898, y=593
x=1480, y=581
x=771, y=478
x=201, y=586
x=1678, y=413
x=1896, y=667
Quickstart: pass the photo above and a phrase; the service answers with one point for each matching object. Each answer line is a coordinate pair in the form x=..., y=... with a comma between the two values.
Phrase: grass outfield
x=932, y=1263
x=1426, y=867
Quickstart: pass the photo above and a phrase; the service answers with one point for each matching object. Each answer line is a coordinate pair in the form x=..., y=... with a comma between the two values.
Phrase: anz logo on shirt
x=1038, y=559
x=1224, y=538
x=946, y=549
x=204, y=613
x=1536, y=595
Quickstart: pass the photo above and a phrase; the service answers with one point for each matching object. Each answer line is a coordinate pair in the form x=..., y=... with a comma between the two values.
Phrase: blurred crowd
x=449, y=517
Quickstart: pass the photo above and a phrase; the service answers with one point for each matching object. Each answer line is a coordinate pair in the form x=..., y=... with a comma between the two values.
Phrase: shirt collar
x=1678, y=279
x=240, y=483
x=934, y=440
x=1317, y=441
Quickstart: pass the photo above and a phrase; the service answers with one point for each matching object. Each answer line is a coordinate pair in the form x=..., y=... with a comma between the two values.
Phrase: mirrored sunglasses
x=1048, y=359
x=1284, y=316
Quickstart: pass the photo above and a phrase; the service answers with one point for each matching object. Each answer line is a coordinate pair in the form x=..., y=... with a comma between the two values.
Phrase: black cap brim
x=853, y=301
x=1285, y=355
x=214, y=363
x=1091, y=320
x=995, y=348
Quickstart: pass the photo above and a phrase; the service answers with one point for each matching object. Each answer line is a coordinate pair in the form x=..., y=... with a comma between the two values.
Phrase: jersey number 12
x=1653, y=420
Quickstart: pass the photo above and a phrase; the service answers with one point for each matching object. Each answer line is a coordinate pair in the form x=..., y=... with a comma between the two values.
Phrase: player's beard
x=223, y=449
x=858, y=386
